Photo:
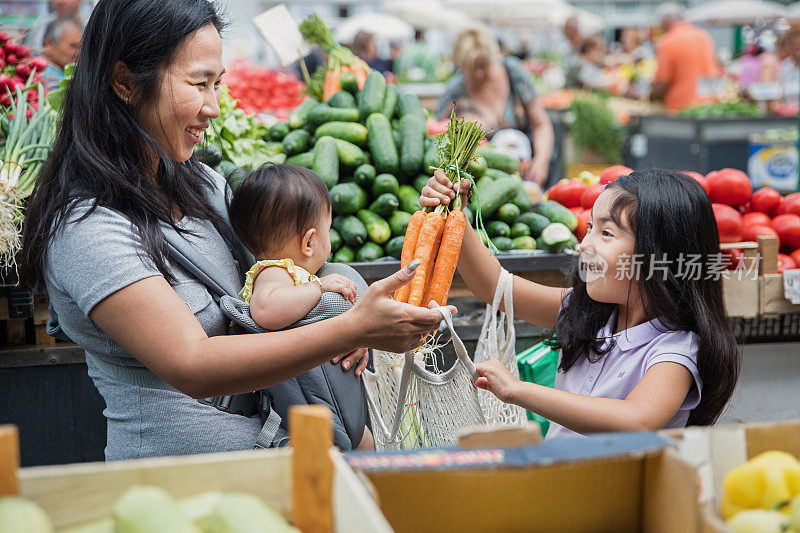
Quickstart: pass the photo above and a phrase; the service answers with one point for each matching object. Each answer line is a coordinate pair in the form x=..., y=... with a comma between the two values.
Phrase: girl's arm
x=534, y=303
x=151, y=322
x=649, y=406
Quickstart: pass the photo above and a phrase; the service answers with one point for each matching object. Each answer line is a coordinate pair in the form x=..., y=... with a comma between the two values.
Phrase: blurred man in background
x=62, y=38
x=77, y=9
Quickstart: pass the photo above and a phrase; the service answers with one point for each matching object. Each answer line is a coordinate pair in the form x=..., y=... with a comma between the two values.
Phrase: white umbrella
x=381, y=24
x=529, y=13
x=427, y=14
x=734, y=12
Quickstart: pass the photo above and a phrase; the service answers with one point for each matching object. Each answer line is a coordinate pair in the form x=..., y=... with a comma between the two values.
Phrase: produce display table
x=428, y=93
x=701, y=145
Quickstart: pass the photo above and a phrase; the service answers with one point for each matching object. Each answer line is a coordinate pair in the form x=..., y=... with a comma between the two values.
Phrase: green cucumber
x=347, y=199
x=280, y=130
x=385, y=204
x=369, y=252
x=306, y=159
x=394, y=248
x=556, y=212
x=344, y=255
x=431, y=159
x=413, y=145
x=347, y=131
x=496, y=228
x=385, y=183
x=503, y=243
x=336, y=240
x=398, y=140
x=421, y=181
x=350, y=155
x=494, y=193
x=524, y=242
x=377, y=228
x=296, y=142
x=409, y=199
x=390, y=101
x=365, y=175
x=348, y=82
x=326, y=161
x=323, y=113
x=508, y=213
x=520, y=229
x=535, y=222
x=342, y=99
x=297, y=118
x=398, y=222
x=353, y=231
x=477, y=167
x=495, y=173
x=372, y=95
x=522, y=200
x=409, y=104
x=556, y=236
x=500, y=161
x=381, y=144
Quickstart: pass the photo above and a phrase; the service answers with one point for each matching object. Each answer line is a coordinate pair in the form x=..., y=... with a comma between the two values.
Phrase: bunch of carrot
x=434, y=236
x=332, y=86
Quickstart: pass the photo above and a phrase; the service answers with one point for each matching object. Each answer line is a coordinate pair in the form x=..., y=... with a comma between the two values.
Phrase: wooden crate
x=23, y=331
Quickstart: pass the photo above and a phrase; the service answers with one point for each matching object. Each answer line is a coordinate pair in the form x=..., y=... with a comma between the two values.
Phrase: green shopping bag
x=538, y=365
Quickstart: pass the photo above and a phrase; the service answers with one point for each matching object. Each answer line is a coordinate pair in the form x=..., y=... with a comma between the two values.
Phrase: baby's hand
x=496, y=378
x=340, y=284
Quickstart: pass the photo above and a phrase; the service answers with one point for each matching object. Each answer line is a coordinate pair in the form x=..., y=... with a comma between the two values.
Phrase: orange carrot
x=427, y=247
x=409, y=245
x=331, y=85
x=360, y=71
x=446, y=260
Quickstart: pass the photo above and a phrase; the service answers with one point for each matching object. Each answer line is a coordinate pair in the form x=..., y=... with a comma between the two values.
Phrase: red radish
x=33, y=96
x=11, y=59
x=756, y=218
x=5, y=99
x=23, y=70
x=699, y=178
x=785, y=262
x=613, y=172
x=795, y=256
x=2, y=52
x=3, y=37
x=735, y=257
x=2, y=63
x=765, y=200
x=23, y=51
x=11, y=47
x=729, y=186
x=788, y=229
x=751, y=233
x=583, y=224
x=729, y=223
x=39, y=63
x=589, y=196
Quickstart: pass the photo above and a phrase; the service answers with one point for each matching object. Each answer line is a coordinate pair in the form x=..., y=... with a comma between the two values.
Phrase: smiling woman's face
x=188, y=98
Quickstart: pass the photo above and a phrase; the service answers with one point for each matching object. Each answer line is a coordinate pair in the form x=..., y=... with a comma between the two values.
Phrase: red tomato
x=583, y=224
x=729, y=186
x=751, y=233
x=568, y=193
x=576, y=210
x=790, y=204
x=765, y=200
x=589, y=196
x=699, y=178
x=735, y=256
x=729, y=223
x=795, y=256
x=788, y=229
x=785, y=262
x=755, y=218
x=613, y=172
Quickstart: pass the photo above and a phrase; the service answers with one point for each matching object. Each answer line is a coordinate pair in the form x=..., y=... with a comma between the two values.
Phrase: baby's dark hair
x=276, y=203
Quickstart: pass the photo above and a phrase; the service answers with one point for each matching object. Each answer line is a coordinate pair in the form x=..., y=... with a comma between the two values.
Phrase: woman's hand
x=496, y=378
x=440, y=190
x=385, y=324
x=358, y=357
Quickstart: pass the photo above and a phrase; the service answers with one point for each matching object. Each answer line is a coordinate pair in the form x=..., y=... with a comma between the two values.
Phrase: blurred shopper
x=632, y=47
x=587, y=70
x=62, y=38
x=572, y=32
x=417, y=62
x=364, y=46
x=78, y=9
x=686, y=59
x=498, y=92
x=789, y=73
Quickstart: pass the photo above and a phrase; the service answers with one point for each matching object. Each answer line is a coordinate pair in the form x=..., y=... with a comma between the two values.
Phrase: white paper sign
x=791, y=285
x=281, y=31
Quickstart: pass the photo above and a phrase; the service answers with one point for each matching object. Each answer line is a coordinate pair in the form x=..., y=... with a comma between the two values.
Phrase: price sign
x=281, y=31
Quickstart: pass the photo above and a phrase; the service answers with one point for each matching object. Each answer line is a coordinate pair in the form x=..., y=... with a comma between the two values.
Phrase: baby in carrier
x=282, y=213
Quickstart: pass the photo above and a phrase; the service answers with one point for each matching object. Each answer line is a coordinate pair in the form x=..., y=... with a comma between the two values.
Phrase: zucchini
x=522, y=200
x=535, y=222
x=421, y=181
x=390, y=101
x=348, y=82
x=494, y=193
x=409, y=199
x=353, y=231
x=381, y=144
x=385, y=183
x=278, y=131
x=503, y=244
x=297, y=118
x=322, y=113
x=372, y=95
x=336, y=240
x=347, y=131
x=398, y=222
x=365, y=175
x=500, y=161
x=342, y=99
x=344, y=255
x=413, y=145
x=377, y=228
x=477, y=167
x=496, y=228
x=520, y=229
x=326, y=161
x=508, y=213
x=350, y=155
x=496, y=174
x=394, y=248
x=556, y=212
x=347, y=199
x=306, y=159
x=369, y=252
x=296, y=142
x=385, y=204
x=524, y=242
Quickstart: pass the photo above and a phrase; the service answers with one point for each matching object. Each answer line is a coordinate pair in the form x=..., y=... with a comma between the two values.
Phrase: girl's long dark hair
x=101, y=152
x=671, y=217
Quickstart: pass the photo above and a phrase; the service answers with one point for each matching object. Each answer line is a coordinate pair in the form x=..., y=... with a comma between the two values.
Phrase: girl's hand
x=359, y=357
x=496, y=378
x=340, y=284
x=440, y=190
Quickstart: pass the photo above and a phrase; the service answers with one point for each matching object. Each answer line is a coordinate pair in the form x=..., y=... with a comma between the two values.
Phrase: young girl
x=644, y=340
x=282, y=213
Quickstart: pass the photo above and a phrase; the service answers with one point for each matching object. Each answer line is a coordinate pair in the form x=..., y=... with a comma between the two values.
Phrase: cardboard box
x=771, y=297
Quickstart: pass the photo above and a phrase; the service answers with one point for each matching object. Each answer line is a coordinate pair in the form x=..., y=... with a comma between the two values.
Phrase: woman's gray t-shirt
x=88, y=260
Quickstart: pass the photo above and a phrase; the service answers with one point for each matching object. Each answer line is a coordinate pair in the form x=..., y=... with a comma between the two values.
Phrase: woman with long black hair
x=145, y=88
